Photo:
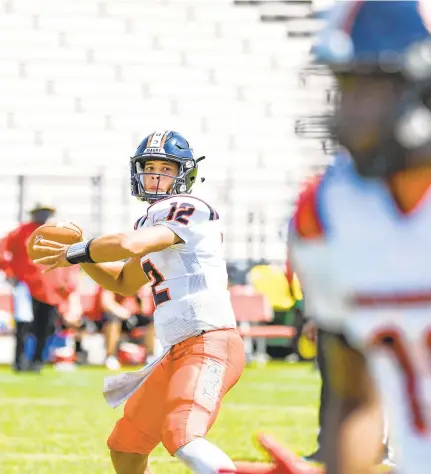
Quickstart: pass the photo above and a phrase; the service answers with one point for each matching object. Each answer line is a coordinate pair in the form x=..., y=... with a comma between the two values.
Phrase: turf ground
x=58, y=422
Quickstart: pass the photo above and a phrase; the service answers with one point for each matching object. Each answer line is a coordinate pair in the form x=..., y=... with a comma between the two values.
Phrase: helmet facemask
x=401, y=135
x=181, y=184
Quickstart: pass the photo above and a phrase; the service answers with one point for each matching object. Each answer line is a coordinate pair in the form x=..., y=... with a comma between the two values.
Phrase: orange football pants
x=181, y=398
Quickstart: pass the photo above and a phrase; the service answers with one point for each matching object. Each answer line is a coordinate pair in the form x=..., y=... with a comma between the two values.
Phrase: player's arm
x=118, y=277
x=126, y=278
x=164, y=232
x=111, y=248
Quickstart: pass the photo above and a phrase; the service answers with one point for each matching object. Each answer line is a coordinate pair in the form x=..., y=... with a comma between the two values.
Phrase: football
x=62, y=232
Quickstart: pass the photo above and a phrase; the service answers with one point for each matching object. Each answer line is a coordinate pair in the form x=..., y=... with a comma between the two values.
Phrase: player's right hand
x=54, y=255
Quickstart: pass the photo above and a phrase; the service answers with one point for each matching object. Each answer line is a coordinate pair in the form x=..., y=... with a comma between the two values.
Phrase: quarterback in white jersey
x=177, y=248
x=189, y=280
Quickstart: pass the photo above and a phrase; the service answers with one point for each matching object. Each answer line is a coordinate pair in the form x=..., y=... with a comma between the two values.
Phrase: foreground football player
x=362, y=265
x=177, y=246
x=360, y=244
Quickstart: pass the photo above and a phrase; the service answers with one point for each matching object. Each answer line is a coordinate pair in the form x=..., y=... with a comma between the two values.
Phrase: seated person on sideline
x=116, y=314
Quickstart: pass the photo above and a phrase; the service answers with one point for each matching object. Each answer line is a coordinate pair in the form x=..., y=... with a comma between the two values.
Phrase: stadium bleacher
x=81, y=83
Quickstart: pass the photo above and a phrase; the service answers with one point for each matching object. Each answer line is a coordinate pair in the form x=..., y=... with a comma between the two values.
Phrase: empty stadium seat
x=154, y=13
x=63, y=21
x=252, y=312
x=99, y=76
x=14, y=22
x=78, y=7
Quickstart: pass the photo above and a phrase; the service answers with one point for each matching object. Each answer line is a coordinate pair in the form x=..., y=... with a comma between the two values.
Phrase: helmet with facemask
x=388, y=41
x=163, y=146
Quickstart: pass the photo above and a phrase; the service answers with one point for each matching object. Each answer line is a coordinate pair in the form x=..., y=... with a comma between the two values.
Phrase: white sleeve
x=181, y=215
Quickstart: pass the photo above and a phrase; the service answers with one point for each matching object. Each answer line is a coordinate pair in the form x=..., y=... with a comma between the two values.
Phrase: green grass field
x=58, y=422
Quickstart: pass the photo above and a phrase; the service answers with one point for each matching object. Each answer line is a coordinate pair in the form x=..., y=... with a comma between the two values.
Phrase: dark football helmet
x=386, y=45
x=167, y=146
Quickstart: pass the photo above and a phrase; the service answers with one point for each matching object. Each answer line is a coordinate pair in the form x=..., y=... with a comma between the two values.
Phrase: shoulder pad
x=306, y=219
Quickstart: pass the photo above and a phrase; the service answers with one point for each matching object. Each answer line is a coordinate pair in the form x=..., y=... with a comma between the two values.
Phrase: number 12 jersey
x=189, y=280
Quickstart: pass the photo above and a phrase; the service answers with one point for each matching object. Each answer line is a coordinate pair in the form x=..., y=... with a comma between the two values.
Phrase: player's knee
x=175, y=434
x=127, y=438
x=176, y=426
x=173, y=438
x=129, y=463
x=182, y=426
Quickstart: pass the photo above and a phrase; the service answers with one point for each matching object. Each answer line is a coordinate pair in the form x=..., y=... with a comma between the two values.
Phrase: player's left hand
x=54, y=254
x=284, y=462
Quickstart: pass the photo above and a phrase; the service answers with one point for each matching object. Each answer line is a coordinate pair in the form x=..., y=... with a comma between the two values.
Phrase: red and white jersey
x=189, y=280
x=365, y=269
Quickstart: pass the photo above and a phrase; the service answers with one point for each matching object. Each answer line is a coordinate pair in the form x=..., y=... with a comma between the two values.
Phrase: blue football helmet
x=166, y=146
x=388, y=39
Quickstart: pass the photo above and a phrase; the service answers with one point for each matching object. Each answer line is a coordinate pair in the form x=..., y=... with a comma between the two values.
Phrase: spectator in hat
x=36, y=295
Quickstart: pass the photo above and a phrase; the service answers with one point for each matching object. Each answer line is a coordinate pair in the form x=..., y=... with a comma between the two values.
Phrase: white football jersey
x=368, y=276
x=189, y=280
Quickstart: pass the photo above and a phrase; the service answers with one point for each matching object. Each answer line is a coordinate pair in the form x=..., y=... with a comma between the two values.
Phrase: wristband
x=79, y=253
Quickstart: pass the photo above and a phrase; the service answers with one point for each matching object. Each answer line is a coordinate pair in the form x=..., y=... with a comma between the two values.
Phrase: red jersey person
x=36, y=294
